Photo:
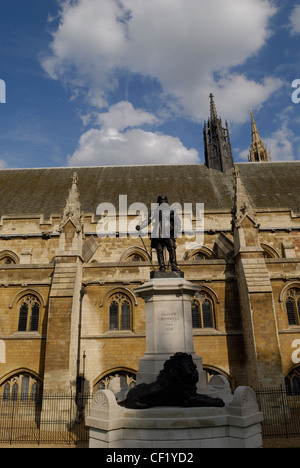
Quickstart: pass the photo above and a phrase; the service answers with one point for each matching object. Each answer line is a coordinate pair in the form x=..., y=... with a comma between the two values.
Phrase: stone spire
x=213, y=110
x=72, y=210
x=217, y=146
x=258, y=151
x=242, y=205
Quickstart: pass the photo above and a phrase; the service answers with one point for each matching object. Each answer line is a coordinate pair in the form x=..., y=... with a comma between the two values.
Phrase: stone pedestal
x=168, y=324
x=237, y=425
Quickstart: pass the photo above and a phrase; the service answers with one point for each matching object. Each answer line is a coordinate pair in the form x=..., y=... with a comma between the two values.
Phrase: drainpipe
x=79, y=379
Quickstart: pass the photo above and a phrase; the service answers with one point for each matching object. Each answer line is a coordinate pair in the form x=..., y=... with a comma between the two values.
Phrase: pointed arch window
x=292, y=382
x=203, y=311
x=7, y=260
x=29, y=312
x=125, y=377
x=7, y=257
x=120, y=312
x=22, y=387
x=135, y=258
x=292, y=304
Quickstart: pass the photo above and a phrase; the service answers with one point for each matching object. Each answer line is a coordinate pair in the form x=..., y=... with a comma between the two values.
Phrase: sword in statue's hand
x=138, y=228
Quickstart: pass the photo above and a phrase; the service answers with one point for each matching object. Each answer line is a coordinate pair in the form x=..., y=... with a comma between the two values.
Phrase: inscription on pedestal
x=168, y=322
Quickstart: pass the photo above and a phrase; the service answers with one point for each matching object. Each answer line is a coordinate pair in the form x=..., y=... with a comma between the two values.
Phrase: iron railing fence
x=54, y=419
x=59, y=419
x=281, y=412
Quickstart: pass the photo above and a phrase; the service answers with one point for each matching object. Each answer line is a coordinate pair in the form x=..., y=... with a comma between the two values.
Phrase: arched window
x=269, y=252
x=7, y=257
x=212, y=371
x=29, y=312
x=134, y=254
x=202, y=311
x=120, y=312
x=125, y=377
x=199, y=254
x=292, y=304
x=7, y=261
x=135, y=258
x=23, y=387
x=292, y=382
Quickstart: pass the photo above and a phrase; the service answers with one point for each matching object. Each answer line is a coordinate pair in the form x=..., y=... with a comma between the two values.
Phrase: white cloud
x=117, y=142
x=111, y=147
x=187, y=45
x=235, y=95
x=123, y=115
x=87, y=46
x=243, y=155
x=295, y=20
x=283, y=144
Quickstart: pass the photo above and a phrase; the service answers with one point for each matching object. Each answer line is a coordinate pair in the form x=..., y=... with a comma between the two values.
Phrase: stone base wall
x=237, y=425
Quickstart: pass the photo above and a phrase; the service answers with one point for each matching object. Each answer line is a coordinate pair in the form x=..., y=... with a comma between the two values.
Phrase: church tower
x=258, y=151
x=217, y=146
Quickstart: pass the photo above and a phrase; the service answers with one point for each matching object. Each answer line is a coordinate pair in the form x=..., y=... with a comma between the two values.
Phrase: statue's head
x=162, y=199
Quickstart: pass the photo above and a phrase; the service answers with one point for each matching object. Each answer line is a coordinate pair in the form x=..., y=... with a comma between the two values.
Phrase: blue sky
x=113, y=82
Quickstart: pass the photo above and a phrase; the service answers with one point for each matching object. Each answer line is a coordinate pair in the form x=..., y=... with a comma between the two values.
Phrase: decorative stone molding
x=242, y=205
x=291, y=285
x=243, y=396
x=24, y=292
x=121, y=290
x=72, y=210
x=101, y=400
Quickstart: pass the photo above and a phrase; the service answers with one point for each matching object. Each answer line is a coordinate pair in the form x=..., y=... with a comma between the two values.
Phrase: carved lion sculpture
x=175, y=386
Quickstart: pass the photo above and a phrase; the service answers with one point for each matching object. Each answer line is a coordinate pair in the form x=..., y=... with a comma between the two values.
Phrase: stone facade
x=246, y=316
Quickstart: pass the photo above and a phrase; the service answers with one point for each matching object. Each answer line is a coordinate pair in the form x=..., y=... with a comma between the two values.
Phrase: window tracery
x=204, y=253
x=134, y=254
x=292, y=304
x=120, y=312
x=104, y=382
x=22, y=387
x=292, y=382
x=29, y=311
x=202, y=311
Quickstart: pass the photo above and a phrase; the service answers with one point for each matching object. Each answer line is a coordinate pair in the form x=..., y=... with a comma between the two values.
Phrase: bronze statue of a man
x=166, y=227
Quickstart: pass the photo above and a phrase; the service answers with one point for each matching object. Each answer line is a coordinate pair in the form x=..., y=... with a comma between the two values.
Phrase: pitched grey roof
x=272, y=184
x=44, y=191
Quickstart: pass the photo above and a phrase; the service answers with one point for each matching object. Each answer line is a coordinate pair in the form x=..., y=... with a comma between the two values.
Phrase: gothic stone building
x=246, y=317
